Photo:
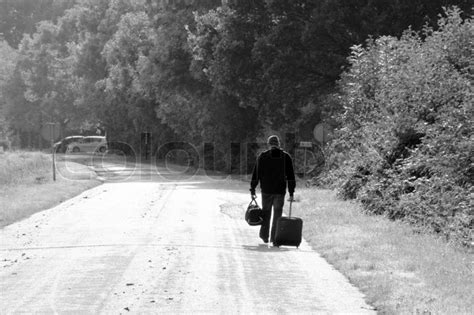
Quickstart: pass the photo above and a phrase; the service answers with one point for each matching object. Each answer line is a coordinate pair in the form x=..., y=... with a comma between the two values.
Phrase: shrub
x=18, y=167
x=404, y=148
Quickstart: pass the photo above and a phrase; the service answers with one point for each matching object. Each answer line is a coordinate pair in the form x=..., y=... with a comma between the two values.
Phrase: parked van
x=90, y=144
x=62, y=146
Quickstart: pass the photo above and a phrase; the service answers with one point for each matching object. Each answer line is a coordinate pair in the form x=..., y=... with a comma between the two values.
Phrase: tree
x=8, y=57
x=48, y=78
x=283, y=58
x=88, y=27
x=20, y=17
x=130, y=43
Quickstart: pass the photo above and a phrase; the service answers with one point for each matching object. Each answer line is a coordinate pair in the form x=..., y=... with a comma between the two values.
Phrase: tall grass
x=401, y=271
x=27, y=187
x=20, y=167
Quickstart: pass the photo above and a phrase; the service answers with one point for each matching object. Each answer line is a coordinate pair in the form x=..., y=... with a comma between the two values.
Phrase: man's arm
x=290, y=175
x=254, y=180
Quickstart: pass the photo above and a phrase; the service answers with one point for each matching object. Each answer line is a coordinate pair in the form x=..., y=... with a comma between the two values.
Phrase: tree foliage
x=8, y=56
x=20, y=17
x=257, y=55
x=404, y=147
x=127, y=63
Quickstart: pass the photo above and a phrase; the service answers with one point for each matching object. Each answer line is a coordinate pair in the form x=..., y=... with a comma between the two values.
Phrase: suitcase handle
x=291, y=202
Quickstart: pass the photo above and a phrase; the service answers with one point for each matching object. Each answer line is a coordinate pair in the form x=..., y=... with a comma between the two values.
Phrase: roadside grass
x=399, y=270
x=17, y=167
x=27, y=186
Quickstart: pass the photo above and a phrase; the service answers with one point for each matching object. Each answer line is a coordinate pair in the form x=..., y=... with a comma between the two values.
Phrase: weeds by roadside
x=400, y=271
x=26, y=184
x=18, y=167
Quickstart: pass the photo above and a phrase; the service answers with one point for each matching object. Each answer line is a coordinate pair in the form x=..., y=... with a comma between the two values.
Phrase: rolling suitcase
x=288, y=231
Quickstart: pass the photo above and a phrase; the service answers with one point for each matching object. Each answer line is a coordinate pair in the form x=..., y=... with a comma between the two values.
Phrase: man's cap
x=273, y=141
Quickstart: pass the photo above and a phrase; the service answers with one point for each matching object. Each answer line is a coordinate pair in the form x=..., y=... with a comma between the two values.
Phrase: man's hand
x=252, y=194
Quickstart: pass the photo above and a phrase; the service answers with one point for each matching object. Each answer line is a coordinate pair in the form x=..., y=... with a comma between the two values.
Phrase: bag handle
x=253, y=200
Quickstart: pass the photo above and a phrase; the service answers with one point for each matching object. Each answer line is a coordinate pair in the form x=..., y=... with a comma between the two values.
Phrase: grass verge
x=399, y=271
x=27, y=186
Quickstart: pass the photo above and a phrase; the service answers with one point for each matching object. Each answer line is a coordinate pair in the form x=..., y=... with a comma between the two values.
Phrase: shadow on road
x=265, y=248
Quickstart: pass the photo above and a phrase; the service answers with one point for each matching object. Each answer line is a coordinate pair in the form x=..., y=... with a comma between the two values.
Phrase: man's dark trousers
x=268, y=201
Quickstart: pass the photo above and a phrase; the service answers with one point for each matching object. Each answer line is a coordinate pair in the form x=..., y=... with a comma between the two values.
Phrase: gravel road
x=157, y=241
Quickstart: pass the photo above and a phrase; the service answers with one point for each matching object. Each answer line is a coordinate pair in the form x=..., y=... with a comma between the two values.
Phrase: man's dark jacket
x=273, y=170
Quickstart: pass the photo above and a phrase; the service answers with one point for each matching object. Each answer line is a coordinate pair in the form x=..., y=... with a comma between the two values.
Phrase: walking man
x=274, y=171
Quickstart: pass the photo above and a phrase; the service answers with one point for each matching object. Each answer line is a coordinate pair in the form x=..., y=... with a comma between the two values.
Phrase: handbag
x=254, y=213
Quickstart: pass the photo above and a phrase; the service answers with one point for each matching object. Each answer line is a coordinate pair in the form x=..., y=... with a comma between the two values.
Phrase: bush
x=18, y=167
x=405, y=142
x=440, y=205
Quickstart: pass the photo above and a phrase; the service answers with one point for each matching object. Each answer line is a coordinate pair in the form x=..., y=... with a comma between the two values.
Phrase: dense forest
x=393, y=79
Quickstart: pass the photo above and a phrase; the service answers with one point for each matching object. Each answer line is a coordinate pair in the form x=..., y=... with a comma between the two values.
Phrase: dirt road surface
x=154, y=240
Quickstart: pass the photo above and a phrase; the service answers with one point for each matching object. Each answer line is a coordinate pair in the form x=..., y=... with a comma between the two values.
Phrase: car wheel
x=102, y=149
x=75, y=149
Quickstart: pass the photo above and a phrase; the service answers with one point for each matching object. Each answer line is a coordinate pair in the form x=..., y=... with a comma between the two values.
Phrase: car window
x=73, y=139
